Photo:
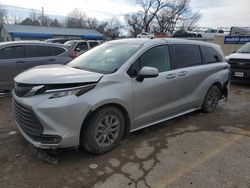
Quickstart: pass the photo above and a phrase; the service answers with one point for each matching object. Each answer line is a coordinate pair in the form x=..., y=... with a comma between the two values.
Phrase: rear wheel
x=103, y=130
x=211, y=99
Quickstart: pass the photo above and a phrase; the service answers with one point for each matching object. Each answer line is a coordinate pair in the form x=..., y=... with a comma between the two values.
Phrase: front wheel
x=211, y=99
x=103, y=130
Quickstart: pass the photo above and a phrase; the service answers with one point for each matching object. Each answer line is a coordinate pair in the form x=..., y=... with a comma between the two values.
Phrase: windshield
x=244, y=49
x=71, y=44
x=106, y=58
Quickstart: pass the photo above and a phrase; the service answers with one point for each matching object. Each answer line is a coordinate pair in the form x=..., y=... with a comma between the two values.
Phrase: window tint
x=93, y=44
x=210, y=55
x=38, y=51
x=12, y=52
x=157, y=57
x=57, y=50
x=82, y=46
x=186, y=55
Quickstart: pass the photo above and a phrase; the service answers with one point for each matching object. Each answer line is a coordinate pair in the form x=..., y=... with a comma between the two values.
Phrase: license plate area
x=239, y=74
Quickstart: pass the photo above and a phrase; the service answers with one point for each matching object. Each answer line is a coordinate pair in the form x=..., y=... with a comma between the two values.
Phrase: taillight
x=73, y=54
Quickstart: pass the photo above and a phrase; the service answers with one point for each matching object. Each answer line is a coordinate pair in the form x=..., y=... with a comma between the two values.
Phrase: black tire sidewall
x=88, y=140
x=204, y=107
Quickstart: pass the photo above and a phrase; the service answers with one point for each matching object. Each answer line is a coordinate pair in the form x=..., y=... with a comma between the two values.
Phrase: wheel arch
x=116, y=105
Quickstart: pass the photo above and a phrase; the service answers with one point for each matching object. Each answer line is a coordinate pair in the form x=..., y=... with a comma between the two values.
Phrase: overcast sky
x=215, y=13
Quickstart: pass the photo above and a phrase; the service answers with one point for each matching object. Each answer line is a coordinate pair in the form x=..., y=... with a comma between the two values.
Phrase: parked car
x=184, y=33
x=210, y=33
x=57, y=40
x=16, y=57
x=240, y=64
x=118, y=87
x=81, y=46
x=145, y=35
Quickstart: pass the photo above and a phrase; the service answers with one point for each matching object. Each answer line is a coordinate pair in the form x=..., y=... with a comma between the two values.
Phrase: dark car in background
x=16, y=57
x=240, y=64
x=184, y=33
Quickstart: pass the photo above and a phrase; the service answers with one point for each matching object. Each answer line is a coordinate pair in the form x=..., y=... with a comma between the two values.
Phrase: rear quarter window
x=38, y=51
x=210, y=55
x=186, y=55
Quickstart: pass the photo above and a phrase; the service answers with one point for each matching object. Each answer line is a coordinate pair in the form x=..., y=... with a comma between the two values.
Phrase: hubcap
x=107, y=130
x=212, y=100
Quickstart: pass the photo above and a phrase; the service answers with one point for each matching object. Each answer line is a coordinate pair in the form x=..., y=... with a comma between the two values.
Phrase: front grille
x=29, y=123
x=27, y=120
x=240, y=64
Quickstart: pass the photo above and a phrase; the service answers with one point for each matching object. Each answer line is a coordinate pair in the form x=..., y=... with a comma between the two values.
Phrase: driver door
x=153, y=97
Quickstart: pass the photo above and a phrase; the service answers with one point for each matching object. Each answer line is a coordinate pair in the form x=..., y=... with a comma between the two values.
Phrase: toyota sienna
x=118, y=87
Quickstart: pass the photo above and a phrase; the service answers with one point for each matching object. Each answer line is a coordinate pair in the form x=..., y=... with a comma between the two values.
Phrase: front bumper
x=50, y=123
x=240, y=75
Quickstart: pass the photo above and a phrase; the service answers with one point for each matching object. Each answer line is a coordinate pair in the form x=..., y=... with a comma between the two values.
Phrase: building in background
x=12, y=32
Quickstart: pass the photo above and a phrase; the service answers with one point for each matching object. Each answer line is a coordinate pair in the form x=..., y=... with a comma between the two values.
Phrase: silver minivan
x=118, y=87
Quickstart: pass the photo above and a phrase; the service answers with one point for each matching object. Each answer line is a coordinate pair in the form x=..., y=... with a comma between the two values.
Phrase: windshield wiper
x=77, y=68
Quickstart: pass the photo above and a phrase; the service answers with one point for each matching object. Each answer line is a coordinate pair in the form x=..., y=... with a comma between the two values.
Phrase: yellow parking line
x=168, y=180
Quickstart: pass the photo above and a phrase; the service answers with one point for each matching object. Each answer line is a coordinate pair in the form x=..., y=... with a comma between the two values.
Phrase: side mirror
x=78, y=49
x=147, y=72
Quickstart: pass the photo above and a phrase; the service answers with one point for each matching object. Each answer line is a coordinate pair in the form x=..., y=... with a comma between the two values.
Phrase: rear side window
x=93, y=44
x=38, y=51
x=57, y=50
x=157, y=57
x=210, y=55
x=186, y=55
x=12, y=52
x=82, y=46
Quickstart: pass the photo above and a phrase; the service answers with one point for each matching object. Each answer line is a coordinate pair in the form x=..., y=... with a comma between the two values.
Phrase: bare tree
x=149, y=10
x=135, y=23
x=55, y=23
x=110, y=28
x=45, y=20
x=168, y=17
x=92, y=23
x=33, y=19
x=3, y=15
x=190, y=21
x=76, y=19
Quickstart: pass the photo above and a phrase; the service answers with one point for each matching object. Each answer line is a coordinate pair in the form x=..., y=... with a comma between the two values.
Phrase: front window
x=106, y=58
x=244, y=49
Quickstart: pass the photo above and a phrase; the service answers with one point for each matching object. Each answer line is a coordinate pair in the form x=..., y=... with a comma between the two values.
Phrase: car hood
x=56, y=74
x=238, y=56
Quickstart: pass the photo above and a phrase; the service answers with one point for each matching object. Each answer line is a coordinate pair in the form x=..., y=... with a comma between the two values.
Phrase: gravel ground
x=195, y=150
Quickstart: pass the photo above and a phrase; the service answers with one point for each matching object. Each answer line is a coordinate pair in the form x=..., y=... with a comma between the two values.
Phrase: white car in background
x=210, y=33
x=145, y=35
x=240, y=64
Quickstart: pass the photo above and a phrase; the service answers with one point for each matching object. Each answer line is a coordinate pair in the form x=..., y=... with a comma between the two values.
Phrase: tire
x=211, y=99
x=103, y=131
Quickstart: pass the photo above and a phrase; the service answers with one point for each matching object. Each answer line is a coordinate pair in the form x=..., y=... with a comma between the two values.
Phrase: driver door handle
x=183, y=73
x=171, y=76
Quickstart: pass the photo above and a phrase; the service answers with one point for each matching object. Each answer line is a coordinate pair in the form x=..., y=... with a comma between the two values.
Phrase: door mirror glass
x=147, y=72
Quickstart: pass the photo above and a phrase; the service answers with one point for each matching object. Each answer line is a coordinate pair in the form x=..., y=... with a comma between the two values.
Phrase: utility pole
x=42, y=12
x=42, y=20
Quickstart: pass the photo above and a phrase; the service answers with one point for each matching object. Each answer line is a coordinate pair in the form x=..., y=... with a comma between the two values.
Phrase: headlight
x=78, y=91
